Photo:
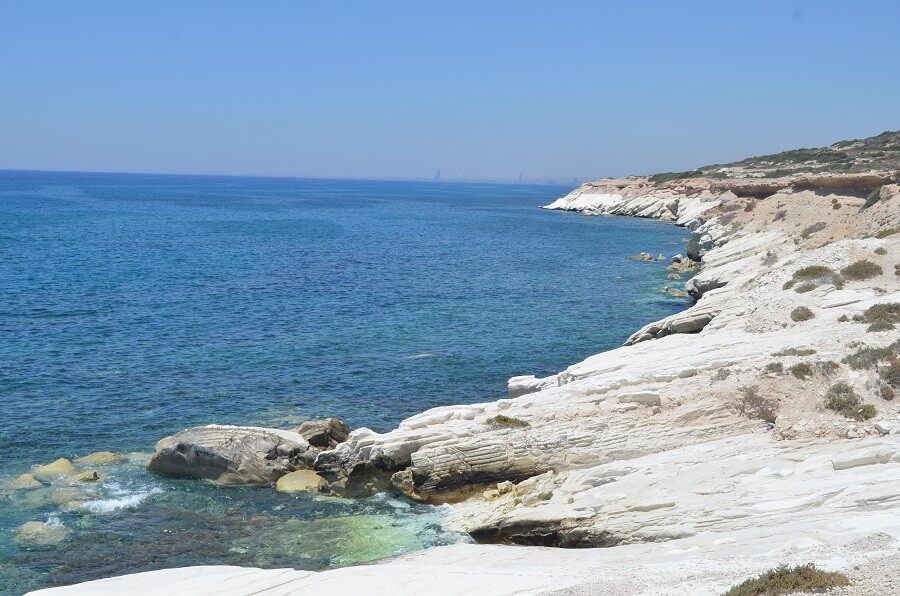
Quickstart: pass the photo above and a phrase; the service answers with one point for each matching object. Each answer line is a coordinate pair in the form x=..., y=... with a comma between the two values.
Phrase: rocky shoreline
x=727, y=432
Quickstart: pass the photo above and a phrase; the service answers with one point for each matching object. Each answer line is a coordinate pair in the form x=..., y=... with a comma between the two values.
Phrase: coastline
x=593, y=465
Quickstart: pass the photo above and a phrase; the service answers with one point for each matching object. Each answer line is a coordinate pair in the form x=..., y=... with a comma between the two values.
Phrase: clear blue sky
x=399, y=89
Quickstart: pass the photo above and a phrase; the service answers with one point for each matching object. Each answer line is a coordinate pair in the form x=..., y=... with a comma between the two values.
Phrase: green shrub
x=787, y=580
x=795, y=352
x=774, y=367
x=869, y=357
x=801, y=313
x=836, y=206
x=810, y=230
x=890, y=374
x=887, y=312
x=872, y=198
x=843, y=399
x=805, y=287
x=826, y=367
x=888, y=232
x=812, y=272
x=802, y=370
x=670, y=176
x=788, y=284
x=507, y=421
x=879, y=326
x=863, y=269
x=887, y=393
x=880, y=251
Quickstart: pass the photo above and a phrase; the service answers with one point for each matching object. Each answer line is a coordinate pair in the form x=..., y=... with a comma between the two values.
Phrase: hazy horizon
x=575, y=91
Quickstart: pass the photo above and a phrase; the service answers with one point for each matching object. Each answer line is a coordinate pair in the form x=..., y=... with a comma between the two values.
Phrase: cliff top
x=878, y=153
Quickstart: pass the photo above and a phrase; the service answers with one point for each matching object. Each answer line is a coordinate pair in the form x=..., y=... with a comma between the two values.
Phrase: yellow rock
x=35, y=533
x=100, y=458
x=23, y=482
x=61, y=467
x=89, y=476
x=301, y=481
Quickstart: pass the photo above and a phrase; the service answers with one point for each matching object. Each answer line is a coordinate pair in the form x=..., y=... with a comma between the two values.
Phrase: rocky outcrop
x=232, y=454
x=324, y=434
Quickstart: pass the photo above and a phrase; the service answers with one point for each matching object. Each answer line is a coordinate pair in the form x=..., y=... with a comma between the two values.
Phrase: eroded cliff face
x=734, y=387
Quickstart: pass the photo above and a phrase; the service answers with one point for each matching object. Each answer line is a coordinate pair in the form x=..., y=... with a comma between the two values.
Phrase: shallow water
x=133, y=306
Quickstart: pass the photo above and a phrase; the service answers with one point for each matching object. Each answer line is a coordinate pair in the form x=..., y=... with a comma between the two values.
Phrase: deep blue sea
x=133, y=306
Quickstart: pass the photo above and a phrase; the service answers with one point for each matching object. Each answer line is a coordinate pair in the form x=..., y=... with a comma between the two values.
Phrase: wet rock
x=301, y=481
x=327, y=433
x=642, y=256
x=23, y=482
x=673, y=276
x=232, y=455
x=35, y=533
x=89, y=476
x=100, y=458
x=60, y=467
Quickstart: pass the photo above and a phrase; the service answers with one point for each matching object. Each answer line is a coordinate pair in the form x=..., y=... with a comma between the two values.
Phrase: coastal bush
x=779, y=215
x=890, y=374
x=788, y=284
x=810, y=230
x=887, y=232
x=879, y=326
x=787, y=580
x=507, y=421
x=812, y=272
x=843, y=399
x=795, y=352
x=801, y=313
x=863, y=269
x=869, y=357
x=872, y=198
x=805, y=287
x=826, y=367
x=887, y=393
x=897, y=269
x=670, y=176
x=880, y=251
x=774, y=367
x=722, y=374
x=802, y=370
x=884, y=312
x=836, y=206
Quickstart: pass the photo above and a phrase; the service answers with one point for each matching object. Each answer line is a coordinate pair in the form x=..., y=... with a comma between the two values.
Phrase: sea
x=133, y=306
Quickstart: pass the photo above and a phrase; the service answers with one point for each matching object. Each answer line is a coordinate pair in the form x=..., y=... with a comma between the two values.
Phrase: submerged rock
x=232, y=454
x=100, y=458
x=642, y=256
x=23, y=482
x=301, y=481
x=89, y=476
x=35, y=533
x=324, y=434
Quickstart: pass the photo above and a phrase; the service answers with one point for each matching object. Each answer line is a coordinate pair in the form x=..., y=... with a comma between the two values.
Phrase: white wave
x=121, y=502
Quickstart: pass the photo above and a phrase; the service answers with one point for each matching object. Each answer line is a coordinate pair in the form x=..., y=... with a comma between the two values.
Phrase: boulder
x=60, y=467
x=301, y=481
x=642, y=256
x=324, y=434
x=232, y=455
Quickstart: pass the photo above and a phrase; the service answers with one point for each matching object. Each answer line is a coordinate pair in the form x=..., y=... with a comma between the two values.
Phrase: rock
x=35, y=533
x=324, y=434
x=649, y=398
x=677, y=258
x=301, y=481
x=852, y=433
x=661, y=257
x=884, y=427
x=642, y=256
x=60, y=467
x=673, y=276
x=23, y=482
x=89, y=476
x=100, y=458
x=232, y=454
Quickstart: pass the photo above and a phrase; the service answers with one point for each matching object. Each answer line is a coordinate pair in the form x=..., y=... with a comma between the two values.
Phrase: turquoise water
x=133, y=306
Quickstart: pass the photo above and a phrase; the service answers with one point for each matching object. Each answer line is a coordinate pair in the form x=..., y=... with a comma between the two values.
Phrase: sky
x=558, y=90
